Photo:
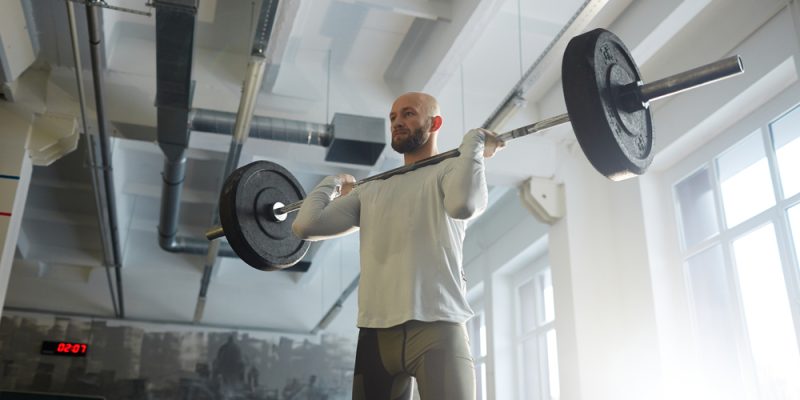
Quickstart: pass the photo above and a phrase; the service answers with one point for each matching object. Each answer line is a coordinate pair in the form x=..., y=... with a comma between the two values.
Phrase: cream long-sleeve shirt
x=411, y=232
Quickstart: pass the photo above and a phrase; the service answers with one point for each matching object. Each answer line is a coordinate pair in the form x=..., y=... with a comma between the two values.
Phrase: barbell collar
x=274, y=215
x=215, y=233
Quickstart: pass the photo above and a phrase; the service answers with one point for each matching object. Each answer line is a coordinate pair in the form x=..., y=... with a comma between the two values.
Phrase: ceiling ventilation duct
x=357, y=139
x=350, y=139
x=175, y=29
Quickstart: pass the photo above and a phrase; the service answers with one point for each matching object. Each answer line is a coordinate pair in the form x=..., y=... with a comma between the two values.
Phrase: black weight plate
x=595, y=66
x=244, y=209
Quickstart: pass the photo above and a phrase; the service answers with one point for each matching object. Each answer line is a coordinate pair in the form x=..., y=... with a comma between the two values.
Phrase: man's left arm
x=464, y=183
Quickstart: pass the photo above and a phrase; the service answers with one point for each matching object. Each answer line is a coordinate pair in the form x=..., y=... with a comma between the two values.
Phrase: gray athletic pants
x=435, y=353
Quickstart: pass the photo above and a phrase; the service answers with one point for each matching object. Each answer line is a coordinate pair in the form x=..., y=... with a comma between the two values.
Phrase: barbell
x=607, y=105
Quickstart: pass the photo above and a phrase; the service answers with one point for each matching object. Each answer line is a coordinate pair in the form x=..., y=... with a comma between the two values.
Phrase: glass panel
x=527, y=306
x=529, y=369
x=480, y=372
x=794, y=221
x=766, y=308
x=482, y=335
x=552, y=365
x=697, y=207
x=746, y=183
x=786, y=141
x=548, y=312
x=477, y=335
x=715, y=321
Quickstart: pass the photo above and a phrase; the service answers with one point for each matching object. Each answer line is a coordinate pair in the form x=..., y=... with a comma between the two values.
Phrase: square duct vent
x=356, y=139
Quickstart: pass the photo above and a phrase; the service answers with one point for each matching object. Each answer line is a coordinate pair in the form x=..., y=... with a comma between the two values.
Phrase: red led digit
x=64, y=348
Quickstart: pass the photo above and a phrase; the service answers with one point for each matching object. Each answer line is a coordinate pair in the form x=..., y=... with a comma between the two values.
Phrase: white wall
x=507, y=238
x=622, y=313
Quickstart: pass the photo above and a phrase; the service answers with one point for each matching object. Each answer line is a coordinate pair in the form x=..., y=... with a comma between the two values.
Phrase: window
x=739, y=224
x=745, y=182
x=786, y=141
x=536, y=340
x=476, y=328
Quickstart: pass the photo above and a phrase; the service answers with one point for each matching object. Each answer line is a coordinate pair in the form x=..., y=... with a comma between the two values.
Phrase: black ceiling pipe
x=175, y=29
x=97, y=180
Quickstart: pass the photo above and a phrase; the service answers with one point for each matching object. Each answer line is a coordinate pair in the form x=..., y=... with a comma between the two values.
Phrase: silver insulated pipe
x=284, y=130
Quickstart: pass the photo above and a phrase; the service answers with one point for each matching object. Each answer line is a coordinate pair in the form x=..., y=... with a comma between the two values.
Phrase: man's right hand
x=492, y=143
x=347, y=183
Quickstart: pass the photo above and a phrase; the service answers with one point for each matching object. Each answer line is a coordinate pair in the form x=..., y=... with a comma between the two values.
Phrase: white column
x=607, y=333
x=15, y=177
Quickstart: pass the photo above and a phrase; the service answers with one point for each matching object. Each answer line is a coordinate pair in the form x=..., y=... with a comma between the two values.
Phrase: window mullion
x=726, y=237
x=783, y=231
x=702, y=246
x=791, y=201
x=791, y=272
x=777, y=186
x=745, y=353
x=716, y=185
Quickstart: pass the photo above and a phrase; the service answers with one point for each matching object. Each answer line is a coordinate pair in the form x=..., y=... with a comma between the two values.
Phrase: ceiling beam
x=432, y=10
x=433, y=50
x=290, y=18
x=52, y=216
x=70, y=256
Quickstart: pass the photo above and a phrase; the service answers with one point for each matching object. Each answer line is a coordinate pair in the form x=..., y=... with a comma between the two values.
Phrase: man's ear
x=436, y=123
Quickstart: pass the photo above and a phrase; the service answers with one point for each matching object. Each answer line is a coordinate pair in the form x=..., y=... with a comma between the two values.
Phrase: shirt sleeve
x=464, y=182
x=320, y=217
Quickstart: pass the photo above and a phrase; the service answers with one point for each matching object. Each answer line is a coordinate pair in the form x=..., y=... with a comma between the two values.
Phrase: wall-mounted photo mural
x=129, y=360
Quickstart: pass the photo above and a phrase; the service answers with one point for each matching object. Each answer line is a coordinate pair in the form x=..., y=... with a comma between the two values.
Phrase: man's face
x=410, y=124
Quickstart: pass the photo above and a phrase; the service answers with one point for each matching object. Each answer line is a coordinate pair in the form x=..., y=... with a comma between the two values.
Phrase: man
x=411, y=297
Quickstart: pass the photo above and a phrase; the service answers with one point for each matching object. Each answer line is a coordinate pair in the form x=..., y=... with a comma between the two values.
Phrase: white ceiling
x=328, y=56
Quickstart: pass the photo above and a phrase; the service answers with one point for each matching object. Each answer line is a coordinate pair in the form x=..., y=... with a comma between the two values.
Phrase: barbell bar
x=608, y=106
x=634, y=97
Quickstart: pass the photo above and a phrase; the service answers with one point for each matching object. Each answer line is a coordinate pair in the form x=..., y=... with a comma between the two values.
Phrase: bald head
x=425, y=103
x=415, y=119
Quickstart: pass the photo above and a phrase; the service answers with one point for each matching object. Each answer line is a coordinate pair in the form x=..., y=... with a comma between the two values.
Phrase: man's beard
x=412, y=141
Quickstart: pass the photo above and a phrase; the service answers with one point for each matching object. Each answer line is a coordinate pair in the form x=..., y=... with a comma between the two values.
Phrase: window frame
x=478, y=307
x=517, y=280
x=757, y=122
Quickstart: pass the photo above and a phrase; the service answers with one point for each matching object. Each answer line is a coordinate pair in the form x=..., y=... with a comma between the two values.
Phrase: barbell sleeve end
x=215, y=233
x=693, y=78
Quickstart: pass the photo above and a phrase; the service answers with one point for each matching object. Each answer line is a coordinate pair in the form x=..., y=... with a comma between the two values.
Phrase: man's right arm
x=322, y=218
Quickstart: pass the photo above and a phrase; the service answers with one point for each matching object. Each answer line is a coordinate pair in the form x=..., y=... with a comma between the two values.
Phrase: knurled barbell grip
x=519, y=132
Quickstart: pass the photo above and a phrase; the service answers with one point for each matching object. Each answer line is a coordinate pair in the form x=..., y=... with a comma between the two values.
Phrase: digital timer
x=64, y=349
